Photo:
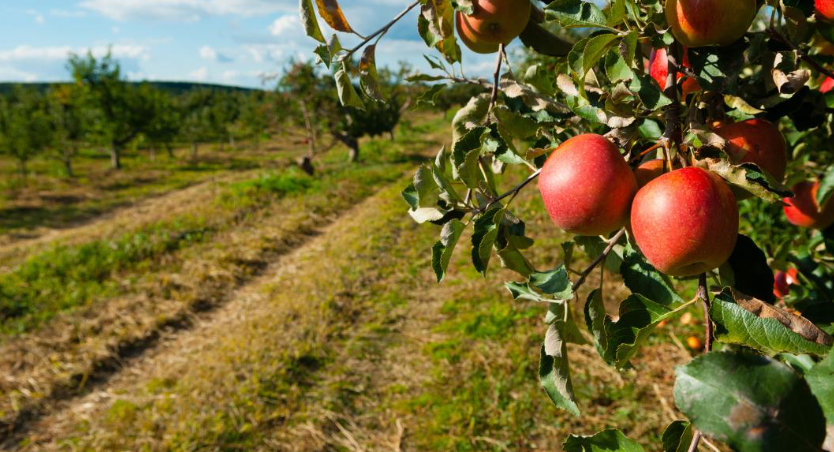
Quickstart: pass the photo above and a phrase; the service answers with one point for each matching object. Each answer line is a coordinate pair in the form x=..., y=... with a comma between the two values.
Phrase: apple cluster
x=685, y=221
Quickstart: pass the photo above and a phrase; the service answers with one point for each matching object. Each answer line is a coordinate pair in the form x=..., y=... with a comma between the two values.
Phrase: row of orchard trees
x=100, y=108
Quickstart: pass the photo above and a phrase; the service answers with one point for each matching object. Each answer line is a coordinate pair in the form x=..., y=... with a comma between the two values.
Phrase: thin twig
x=650, y=149
x=696, y=438
x=600, y=258
x=702, y=295
x=671, y=91
x=801, y=53
x=384, y=29
x=514, y=190
x=496, y=78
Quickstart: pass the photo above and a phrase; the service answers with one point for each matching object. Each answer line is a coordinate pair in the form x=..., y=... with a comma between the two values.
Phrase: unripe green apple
x=699, y=23
x=825, y=9
x=587, y=187
x=803, y=210
x=756, y=141
x=471, y=39
x=499, y=21
x=659, y=69
x=685, y=222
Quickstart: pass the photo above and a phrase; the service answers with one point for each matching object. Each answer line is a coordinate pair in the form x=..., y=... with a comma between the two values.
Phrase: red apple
x=659, y=69
x=499, y=21
x=827, y=85
x=802, y=210
x=699, y=23
x=825, y=9
x=783, y=280
x=756, y=141
x=587, y=187
x=471, y=39
x=648, y=171
x=685, y=221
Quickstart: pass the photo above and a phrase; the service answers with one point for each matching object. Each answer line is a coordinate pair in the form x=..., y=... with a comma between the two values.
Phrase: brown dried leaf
x=330, y=11
x=798, y=324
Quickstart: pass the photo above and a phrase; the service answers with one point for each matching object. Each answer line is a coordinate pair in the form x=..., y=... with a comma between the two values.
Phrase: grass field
x=257, y=308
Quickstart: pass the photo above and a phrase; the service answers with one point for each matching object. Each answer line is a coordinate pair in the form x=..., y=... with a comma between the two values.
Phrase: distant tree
x=196, y=119
x=165, y=121
x=24, y=127
x=255, y=116
x=224, y=111
x=68, y=120
x=124, y=112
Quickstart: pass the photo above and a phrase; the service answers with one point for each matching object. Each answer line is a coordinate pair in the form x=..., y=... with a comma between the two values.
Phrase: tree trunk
x=153, y=152
x=352, y=143
x=391, y=134
x=115, y=158
x=169, y=150
x=311, y=135
x=193, y=150
x=68, y=163
x=306, y=164
x=232, y=141
x=23, y=170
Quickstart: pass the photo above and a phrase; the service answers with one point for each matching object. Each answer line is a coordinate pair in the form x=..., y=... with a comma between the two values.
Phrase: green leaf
x=616, y=67
x=638, y=318
x=595, y=320
x=649, y=92
x=543, y=41
x=595, y=49
x=486, y=231
x=311, y=23
x=577, y=13
x=347, y=93
x=429, y=96
x=641, y=278
x=747, y=177
x=470, y=116
x=518, y=126
x=436, y=25
x=751, y=402
x=442, y=251
x=677, y=437
x=748, y=270
x=368, y=78
x=554, y=282
x=605, y=441
x=821, y=380
x=826, y=187
x=744, y=320
x=554, y=370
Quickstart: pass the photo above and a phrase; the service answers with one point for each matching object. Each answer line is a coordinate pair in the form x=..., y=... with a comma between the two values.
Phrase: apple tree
x=686, y=145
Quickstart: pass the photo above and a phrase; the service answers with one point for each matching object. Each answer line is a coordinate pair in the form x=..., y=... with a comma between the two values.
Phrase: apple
x=699, y=23
x=825, y=9
x=783, y=281
x=586, y=185
x=827, y=85
x=685, y=222
x=694, y=343
x=756, y=141
x=470, y=39
x=659, y=69
x=802, y=210
x=648, y=171
x=498, y=21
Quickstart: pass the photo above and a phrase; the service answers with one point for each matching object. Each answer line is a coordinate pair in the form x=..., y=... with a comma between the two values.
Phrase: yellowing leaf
x=330, y=11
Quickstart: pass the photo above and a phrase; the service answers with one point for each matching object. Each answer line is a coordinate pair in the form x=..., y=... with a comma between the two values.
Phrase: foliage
x=585, y=71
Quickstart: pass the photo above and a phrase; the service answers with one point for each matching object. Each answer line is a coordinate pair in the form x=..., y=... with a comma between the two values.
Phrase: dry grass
x=348, y=344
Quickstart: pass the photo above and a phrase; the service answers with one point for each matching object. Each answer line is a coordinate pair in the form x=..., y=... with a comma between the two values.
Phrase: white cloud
x=182, y=10
x=207, y=53
x=10, y=73
x=39, y=19
x=67, y=13
x=30, y=53
x=199, y=75
x=115, y=30
x=230, y=75
x=285, y=24
x=266, y=52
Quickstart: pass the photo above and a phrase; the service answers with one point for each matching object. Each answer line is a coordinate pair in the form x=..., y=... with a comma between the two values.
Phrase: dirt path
x=347, y=343
x=122, y=219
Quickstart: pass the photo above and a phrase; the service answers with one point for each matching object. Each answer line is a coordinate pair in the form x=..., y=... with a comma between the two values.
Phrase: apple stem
x=696, y=438
x=702, y=294
x=611, y=243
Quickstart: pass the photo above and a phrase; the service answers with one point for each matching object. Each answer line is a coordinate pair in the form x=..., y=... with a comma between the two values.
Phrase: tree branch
x=672, y=113
x=496, y=78
x=801, y=53
x=704, y=297
x=382, y=30
x=512, y=192
x=600, y=258
x=696, y=438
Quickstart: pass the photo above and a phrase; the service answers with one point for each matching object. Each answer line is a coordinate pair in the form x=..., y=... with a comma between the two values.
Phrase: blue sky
x=219, y=41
